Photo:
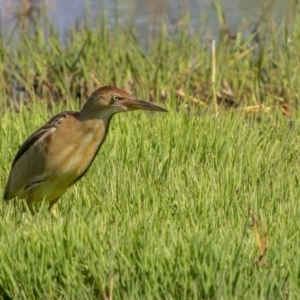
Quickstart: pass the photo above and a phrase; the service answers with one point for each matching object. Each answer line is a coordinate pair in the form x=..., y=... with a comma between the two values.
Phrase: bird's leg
x=27, y=209
x=52, y=209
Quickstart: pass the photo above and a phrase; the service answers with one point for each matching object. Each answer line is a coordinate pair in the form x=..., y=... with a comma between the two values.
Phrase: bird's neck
x=92, y=112
x=96, y=117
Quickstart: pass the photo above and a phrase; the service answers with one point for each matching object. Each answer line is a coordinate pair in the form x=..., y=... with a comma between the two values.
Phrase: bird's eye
x=115, y=98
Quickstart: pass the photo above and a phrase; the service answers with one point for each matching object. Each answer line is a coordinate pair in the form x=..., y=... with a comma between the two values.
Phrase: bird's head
x=114, y=100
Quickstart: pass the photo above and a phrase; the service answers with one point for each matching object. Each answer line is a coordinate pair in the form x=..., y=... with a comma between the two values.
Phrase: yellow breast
x=72, y=155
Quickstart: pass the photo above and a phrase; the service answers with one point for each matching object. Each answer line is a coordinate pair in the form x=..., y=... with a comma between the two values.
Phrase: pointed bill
x=133, y=104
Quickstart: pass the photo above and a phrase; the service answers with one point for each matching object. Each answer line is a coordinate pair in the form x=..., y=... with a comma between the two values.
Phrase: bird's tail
x=6, y=196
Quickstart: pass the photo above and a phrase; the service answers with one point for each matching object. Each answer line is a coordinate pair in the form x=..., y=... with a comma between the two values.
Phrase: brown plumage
x=59, y=153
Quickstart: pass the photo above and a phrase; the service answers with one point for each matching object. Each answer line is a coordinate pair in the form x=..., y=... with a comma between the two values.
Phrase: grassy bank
x=256, y=65
x=163, y=213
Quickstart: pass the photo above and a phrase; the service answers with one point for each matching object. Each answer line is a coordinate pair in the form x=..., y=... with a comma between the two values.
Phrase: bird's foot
x=54, y=214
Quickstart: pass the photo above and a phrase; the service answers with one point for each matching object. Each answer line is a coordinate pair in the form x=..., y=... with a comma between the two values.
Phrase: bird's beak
x=133, y=104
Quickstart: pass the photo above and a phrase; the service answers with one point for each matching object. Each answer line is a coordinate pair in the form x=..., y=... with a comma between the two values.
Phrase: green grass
x=253, y=68
x=162, y=212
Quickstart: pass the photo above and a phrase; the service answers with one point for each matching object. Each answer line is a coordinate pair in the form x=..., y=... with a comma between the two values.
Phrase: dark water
x=148, y=15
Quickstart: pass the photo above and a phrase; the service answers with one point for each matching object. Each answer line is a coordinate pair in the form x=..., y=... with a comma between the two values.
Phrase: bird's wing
x=27, y=165
x=51, y=125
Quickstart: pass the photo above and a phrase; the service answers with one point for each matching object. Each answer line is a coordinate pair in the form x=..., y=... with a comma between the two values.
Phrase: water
x=148, y=15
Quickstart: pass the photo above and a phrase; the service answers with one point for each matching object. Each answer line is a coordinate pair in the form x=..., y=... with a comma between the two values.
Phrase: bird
x=60, y=152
